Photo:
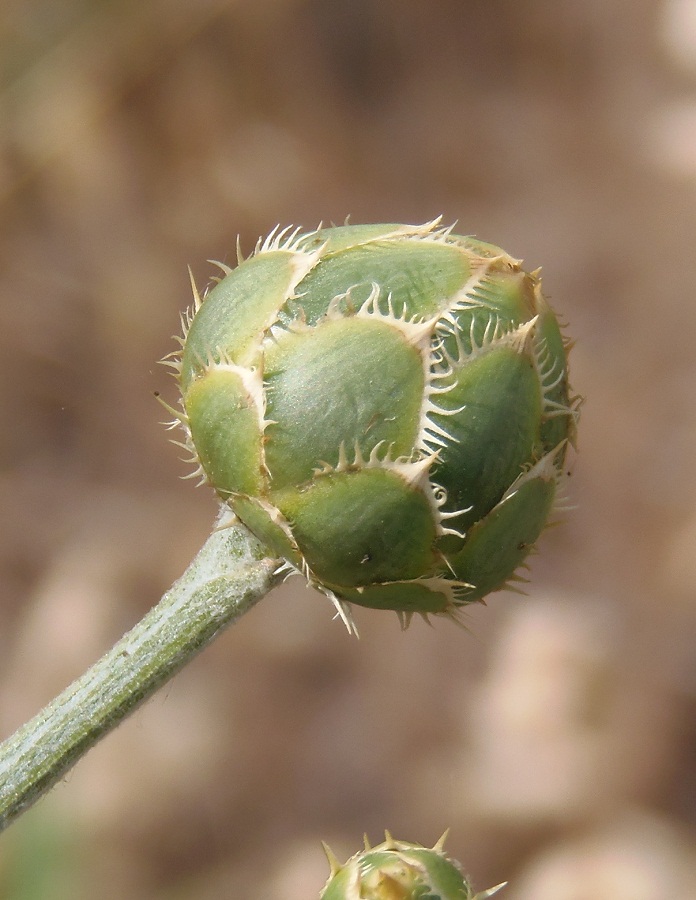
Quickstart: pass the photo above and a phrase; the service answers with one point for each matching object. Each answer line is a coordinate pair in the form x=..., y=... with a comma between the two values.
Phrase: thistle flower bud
x=385, y=406
x=398, y=870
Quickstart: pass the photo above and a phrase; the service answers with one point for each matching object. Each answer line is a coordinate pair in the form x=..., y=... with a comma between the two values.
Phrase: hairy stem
x=228, y=576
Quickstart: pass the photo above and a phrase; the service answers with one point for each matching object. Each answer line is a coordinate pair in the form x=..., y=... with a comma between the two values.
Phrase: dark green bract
x=385, y=406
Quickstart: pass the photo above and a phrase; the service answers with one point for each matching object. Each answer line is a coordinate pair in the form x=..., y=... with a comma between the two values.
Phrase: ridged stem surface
x=228, y=576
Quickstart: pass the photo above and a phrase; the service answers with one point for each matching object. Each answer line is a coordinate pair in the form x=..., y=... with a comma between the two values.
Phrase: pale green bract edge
x=387, y=407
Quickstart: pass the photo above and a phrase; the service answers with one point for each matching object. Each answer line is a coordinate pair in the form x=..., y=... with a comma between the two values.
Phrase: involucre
x=385, y=406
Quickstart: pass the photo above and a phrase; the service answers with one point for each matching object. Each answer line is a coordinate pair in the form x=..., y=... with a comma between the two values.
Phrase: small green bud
x=398, y=870
x=385, y=406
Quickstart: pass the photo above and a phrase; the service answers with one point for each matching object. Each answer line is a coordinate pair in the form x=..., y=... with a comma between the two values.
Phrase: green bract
x=397, y=870
x=385, y=406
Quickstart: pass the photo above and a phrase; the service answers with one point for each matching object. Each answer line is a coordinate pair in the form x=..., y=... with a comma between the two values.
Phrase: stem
x=229, y=575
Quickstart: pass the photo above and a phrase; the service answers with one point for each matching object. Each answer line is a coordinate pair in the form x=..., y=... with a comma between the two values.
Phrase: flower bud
x=385, y=406
x=398, y=870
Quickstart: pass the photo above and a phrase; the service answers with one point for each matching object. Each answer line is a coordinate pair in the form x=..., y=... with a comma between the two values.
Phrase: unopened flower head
x=385, y=406
x=398, y=870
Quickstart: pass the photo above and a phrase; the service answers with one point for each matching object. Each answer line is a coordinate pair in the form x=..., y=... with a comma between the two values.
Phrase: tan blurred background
x=557, y=738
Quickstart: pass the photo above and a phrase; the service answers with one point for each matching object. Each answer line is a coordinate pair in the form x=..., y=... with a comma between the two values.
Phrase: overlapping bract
x=385, y=406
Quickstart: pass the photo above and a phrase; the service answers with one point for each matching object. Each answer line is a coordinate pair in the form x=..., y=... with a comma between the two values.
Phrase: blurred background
x=557, y=736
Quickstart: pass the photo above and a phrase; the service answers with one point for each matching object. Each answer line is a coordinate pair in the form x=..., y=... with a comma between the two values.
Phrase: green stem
x=230, y=573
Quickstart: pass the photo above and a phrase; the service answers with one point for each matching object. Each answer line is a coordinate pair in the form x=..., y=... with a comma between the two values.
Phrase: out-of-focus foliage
x=558, y=738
